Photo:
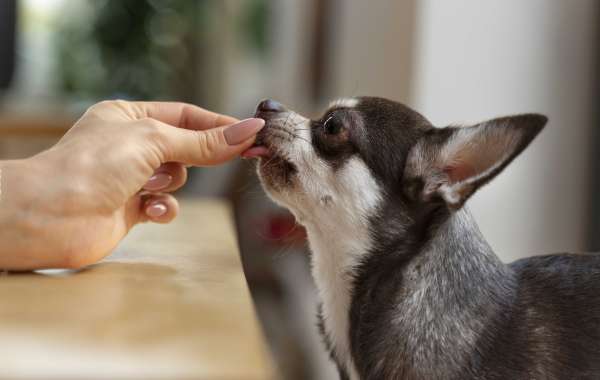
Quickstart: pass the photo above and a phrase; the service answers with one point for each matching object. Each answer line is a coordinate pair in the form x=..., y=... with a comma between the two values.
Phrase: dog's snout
x=270, y=105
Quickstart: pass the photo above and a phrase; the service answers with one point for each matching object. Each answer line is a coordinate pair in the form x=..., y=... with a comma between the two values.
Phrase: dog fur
x=409, y=287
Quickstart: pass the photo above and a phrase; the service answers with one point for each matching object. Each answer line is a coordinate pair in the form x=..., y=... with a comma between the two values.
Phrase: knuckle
x=209, y=143
x=150, y=128
x=101, y=105
x=202, y=140
x=212, y=147
x=96, y=109
x=104, y=105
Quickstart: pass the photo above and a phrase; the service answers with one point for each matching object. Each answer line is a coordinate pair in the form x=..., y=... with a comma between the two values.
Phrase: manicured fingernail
x=156, y=210
x=242, y=131
x=158, y=181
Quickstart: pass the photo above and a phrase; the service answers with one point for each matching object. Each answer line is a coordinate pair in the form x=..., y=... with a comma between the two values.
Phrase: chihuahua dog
x=410, y=289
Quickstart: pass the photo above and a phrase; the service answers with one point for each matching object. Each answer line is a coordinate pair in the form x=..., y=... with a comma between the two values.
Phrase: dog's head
x=365, y=154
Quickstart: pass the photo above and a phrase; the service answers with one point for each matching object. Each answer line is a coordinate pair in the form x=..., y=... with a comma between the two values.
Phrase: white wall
x=292, y=41
x=371, y=48
x=475, y=60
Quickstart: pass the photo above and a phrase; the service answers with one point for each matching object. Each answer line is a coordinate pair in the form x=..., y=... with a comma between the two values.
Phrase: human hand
x=70, y=205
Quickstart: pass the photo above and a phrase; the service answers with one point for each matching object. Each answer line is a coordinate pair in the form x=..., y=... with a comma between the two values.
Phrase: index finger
x=181, y=115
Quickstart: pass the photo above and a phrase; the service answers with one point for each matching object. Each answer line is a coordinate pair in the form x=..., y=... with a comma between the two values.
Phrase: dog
x=409, y=287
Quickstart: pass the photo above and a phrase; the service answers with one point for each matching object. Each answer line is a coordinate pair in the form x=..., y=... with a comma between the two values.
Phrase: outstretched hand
x=70, y=205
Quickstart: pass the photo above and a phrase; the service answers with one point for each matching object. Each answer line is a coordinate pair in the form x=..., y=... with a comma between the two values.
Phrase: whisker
x=302, y=138
x=269, y=161
x=287, y=119
x=298, y=123
x=293, y=135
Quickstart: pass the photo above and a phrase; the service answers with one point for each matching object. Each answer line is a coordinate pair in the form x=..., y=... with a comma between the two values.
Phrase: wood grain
x=171, y=302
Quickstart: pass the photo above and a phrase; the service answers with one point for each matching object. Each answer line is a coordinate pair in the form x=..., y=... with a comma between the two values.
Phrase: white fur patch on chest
x=339, y=237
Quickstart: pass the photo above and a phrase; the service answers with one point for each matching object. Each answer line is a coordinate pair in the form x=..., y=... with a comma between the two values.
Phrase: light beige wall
x=467, y=60
x=292, y=42
x=371, y=50
x=475, y=60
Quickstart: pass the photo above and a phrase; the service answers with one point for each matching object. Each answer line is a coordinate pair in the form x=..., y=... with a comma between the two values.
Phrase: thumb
x=208, y=147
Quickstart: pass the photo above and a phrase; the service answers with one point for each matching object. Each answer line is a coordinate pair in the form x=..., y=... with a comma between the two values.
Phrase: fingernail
x=158, y=181
x=242, y=131
x=156, y=210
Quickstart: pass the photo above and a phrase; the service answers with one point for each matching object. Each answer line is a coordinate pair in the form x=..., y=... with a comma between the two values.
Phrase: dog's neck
x=432, y=297
x=339, y=240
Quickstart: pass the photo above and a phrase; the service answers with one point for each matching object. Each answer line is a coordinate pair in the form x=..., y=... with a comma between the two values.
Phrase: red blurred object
x=283, y=229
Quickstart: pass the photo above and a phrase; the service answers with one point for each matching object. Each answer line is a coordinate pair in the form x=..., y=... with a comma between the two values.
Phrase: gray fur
x=423, y=294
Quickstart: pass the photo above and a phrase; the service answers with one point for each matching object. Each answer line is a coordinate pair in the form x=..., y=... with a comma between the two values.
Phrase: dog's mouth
x=257, y=152
x=259, y=149
x=262, y=148
x=274, y=167
x=268, y=154
x=277, y=171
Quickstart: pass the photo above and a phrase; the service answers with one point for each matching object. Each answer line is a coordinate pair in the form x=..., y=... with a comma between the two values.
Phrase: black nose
x=270, y=105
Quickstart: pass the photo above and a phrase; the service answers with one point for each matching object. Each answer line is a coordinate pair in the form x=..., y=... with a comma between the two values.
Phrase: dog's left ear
x=452, y=163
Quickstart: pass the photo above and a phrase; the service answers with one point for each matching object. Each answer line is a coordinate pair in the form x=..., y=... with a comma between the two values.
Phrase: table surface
x=172, y=302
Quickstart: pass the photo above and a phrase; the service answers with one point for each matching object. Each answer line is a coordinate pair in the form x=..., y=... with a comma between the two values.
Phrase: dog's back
x=553, y=330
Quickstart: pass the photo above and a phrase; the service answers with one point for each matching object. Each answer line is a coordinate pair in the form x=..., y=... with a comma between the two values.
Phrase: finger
x=181, y=115
x=159, y=208
x=168, y=177
x=210, y=147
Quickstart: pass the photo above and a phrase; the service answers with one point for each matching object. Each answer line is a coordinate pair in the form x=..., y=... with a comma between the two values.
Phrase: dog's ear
x=452, y=163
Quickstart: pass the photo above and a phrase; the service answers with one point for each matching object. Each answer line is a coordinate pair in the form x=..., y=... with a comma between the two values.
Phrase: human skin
x=69, y=206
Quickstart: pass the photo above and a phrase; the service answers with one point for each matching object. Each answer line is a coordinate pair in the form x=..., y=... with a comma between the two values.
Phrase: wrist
x=12, y=175
x=19, y=222
x=20, y=181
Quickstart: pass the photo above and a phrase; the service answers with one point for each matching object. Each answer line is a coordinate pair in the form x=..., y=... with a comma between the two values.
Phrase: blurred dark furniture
x=8, y=19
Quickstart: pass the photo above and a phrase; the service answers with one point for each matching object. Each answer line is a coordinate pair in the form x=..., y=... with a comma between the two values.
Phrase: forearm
x=23, y=240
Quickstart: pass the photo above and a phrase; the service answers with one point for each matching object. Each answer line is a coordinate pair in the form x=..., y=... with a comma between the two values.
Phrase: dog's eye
x=332, y=126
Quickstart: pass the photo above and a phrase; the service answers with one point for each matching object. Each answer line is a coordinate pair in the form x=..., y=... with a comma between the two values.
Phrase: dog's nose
x=270, y=105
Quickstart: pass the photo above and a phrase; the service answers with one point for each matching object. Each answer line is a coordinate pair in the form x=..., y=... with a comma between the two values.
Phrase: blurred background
x=455, y=62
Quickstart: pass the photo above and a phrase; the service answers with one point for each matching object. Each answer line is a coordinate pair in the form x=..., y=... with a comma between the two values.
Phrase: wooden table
x=171, y=303
x=23, y=136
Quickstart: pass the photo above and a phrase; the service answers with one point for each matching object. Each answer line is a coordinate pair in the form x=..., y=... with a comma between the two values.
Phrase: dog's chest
x=335, y=257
